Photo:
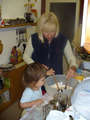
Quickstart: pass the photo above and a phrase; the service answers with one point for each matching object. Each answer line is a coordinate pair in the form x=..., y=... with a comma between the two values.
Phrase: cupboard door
x=16, y=86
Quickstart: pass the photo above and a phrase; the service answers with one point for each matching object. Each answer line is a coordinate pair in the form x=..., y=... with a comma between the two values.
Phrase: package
x=6, y=96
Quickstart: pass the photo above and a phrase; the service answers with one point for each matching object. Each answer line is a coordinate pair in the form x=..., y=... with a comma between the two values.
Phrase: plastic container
x=61, y=79
x=85, y=65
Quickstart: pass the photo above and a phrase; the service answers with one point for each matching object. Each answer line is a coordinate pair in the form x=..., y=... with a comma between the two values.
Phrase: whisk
x=57, y=86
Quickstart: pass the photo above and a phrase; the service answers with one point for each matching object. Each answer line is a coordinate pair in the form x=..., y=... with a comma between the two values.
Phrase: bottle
x=1, y=47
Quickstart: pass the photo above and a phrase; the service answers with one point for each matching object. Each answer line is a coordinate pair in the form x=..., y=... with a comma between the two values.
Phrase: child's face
x=39, y=83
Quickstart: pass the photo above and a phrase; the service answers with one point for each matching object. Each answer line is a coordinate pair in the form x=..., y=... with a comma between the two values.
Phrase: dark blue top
x=49, y=54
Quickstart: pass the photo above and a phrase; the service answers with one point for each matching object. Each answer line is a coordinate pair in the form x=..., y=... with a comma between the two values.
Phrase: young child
x=33, y=78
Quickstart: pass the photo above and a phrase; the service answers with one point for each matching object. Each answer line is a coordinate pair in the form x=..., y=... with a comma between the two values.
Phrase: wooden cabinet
x=16, y=86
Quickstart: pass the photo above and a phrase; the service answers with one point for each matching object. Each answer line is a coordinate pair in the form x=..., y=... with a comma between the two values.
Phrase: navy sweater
x=49, y=54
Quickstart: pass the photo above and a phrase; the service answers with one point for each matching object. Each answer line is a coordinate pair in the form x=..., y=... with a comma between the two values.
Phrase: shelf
x=3, y=90
x=8, y=27
x=16, y=86
x=4, y=105
x=18, y=25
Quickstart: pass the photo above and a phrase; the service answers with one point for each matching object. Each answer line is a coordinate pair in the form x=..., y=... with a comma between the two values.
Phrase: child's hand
x=39, y=101
x=46, y=98
x=50, y=72
x=31, y=104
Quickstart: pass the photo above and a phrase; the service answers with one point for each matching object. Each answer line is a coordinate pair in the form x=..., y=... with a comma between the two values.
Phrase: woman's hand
x=71, y=72
x=45, y=66
x=50, y=72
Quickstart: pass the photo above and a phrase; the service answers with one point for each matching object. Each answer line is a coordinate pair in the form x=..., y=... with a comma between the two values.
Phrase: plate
x=5, y=66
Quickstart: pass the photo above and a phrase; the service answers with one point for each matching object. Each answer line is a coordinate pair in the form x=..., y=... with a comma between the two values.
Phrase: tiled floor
x=12, y=113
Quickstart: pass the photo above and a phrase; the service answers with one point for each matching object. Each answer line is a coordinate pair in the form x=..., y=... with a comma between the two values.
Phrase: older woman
x=48, y=46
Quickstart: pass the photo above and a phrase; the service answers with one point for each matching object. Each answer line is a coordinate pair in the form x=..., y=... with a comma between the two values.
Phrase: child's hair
x=33, y=72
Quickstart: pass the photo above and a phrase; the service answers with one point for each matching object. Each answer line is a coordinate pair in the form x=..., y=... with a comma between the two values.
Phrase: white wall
x=15, y=8
x=9, y=40
x=30, y=30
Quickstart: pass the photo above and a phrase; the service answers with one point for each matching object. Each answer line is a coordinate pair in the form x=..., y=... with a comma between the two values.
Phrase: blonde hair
x=48, y=22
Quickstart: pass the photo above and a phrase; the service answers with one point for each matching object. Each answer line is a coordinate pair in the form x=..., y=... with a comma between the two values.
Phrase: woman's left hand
x=50, y=72
x=71, y=72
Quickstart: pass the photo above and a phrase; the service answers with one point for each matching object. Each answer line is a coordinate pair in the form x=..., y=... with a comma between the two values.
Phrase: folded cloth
x=81, y=99
x=56, y=115
x=72, y=112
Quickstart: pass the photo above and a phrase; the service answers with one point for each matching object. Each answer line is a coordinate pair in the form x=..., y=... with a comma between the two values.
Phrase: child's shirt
x=30, y=95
